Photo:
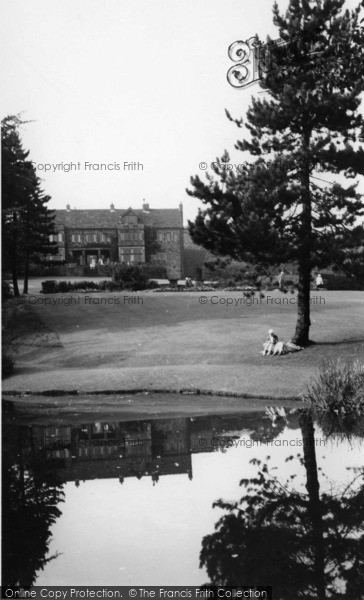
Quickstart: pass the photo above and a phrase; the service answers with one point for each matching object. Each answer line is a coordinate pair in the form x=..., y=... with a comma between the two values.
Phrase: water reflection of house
x=208, y=434
x=129, y=449
x=56, y=440
x=104, y=450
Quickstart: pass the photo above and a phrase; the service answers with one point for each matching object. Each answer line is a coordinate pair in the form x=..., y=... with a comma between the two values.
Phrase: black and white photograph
x=182, y=188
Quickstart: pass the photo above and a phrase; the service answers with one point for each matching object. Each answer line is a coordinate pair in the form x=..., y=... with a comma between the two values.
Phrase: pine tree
x=38, y=226
x=280, y=209
x=27, y=223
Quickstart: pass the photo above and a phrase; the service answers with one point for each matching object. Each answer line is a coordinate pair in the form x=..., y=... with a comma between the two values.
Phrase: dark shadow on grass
x=28, y=370
x=340, y=343
x=91, y=362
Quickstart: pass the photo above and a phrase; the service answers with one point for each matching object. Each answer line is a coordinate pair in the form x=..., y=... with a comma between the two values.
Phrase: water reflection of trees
x=30, y=500
x=304, y=545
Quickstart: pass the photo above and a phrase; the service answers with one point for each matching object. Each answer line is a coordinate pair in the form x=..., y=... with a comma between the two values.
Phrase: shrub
x=112, y=286
x=339, y=387
x=230, y=283
x=83, y=285
x=64, y=286
x=6, y=290
x=152, y=284
x=103, y=285
x=155, y=271
x=54, y=287
x=49, y=287
x=7, y=365
x=131, y=277
x=335, y=281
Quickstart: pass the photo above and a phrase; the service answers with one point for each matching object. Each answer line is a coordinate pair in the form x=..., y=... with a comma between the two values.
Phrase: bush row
x=141, y=277
x=112, y=285
x=54, y=287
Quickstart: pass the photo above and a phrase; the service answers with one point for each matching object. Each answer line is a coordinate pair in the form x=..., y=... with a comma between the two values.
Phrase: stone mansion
x=133, y=236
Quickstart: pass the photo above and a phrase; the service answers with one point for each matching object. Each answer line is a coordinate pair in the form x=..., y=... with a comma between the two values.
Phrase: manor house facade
x=132, y=236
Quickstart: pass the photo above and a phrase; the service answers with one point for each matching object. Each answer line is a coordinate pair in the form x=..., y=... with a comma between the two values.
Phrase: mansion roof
x=100, y=218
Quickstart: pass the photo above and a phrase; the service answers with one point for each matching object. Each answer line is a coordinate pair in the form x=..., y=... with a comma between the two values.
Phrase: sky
x=139, y=82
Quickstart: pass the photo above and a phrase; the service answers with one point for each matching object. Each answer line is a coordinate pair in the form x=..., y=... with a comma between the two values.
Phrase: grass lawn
x=173, y=341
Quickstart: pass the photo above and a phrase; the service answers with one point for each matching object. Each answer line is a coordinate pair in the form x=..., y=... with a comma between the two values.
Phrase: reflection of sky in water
x=113, y=534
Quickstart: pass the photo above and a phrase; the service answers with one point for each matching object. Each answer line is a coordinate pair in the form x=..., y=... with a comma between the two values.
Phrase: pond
x=125, y=502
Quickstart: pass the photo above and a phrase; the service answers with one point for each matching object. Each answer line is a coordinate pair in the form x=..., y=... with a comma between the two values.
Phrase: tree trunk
x=26, y=275
x=301, y=335
x=314, y=503
x=14, y=256
x=14, y=277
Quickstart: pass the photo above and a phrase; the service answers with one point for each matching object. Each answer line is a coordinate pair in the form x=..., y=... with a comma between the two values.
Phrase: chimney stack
x=68, y=207
x=112, y=207
x=145, y=206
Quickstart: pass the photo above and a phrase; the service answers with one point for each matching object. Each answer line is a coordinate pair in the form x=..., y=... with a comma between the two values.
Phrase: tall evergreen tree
x=38, y=225
x=280, y=209
x=27, y=223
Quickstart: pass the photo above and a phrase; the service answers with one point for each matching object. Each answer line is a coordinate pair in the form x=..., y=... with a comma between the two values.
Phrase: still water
x=126, y=503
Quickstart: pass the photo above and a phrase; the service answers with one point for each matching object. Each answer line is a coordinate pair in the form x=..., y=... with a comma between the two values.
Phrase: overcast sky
x=114, y=81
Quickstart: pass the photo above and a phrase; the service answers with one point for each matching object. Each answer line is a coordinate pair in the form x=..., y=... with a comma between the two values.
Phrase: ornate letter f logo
x=245, y=55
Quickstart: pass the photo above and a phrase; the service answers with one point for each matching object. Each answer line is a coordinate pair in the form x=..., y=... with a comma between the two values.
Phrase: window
x=131, y=255
x=91, y=237
x=130, y=219
x=167, y=236
x=131, y=236
x=56, y=237
x=127, y=255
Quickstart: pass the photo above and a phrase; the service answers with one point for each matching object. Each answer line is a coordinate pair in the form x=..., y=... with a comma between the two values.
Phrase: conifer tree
x=27, y=223
x=280, y=208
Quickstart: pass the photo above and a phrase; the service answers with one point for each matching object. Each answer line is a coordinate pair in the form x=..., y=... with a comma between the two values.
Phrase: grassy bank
x=171, y=341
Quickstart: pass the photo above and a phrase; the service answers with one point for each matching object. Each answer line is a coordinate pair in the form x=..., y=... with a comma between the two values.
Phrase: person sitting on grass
x=273, y=346
x=270, y=342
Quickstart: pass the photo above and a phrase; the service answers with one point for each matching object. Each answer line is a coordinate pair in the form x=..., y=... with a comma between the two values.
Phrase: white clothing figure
x=281, y=280
x=270, y=342
x=319, y=281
